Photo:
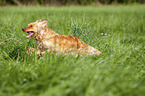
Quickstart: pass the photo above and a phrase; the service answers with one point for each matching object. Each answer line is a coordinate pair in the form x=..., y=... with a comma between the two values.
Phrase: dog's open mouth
x=31, y=33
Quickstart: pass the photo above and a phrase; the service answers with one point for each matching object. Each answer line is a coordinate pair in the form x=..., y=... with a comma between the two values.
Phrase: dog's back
x=65, y=43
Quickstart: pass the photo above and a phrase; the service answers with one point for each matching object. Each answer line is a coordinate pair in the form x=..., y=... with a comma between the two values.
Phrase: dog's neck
x=45, y=34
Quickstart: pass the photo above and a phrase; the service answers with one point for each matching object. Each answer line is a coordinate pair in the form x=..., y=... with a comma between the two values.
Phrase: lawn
x=117, y=31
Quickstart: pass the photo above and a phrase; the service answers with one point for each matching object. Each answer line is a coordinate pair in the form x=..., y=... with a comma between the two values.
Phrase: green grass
x=119, y=71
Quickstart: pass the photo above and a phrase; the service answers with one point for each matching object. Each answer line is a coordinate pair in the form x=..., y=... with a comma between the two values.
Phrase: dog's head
x=34, y=28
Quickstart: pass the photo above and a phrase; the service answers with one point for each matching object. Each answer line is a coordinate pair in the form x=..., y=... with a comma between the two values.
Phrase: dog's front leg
x=30, y=50
x=48, y=51
x=42, y=52
x=38, y=52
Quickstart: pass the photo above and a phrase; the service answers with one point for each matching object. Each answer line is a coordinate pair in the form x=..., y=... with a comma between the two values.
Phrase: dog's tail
x=93, y=51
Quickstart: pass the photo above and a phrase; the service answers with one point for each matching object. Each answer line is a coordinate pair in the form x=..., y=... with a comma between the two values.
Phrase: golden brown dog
x=50, y=41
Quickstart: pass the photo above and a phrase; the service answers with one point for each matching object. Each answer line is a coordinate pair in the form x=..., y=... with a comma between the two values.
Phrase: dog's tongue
x=30, y=35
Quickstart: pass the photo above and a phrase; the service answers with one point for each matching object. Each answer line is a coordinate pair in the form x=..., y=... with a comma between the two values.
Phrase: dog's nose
x=23, y=29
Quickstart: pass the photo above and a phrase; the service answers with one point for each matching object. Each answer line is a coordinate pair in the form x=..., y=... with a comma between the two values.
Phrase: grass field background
x=117, y=31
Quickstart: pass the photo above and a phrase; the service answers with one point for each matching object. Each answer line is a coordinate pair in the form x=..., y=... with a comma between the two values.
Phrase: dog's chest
x=45, y=44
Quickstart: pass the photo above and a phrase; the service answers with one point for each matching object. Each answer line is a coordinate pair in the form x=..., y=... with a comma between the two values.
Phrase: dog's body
x=48, y=40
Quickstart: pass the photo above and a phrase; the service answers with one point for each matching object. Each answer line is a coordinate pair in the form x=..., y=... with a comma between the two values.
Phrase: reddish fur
x=49, y=40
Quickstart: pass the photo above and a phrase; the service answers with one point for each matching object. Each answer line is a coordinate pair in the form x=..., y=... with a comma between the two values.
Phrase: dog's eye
x=31, y=26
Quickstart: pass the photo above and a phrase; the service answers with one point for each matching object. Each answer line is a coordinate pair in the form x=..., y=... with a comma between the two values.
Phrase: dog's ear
x=45, y=23
x=40, y=20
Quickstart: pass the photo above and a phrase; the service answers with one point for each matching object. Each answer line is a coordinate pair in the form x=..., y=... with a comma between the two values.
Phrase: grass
x=117, y=31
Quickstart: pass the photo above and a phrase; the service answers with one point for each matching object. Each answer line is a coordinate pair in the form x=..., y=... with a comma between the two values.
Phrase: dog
x=49, y=41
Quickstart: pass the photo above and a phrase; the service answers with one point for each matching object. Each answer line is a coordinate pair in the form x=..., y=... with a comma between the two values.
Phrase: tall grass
x=117, y=31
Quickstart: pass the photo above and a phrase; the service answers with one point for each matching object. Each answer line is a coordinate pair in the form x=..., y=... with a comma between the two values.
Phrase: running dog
x=50, y=41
